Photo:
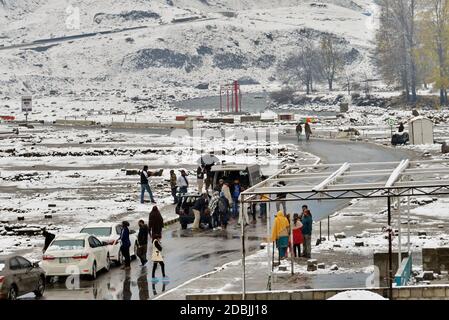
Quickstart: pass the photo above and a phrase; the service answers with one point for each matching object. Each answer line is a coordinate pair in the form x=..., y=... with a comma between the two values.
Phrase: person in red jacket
x=298, y=238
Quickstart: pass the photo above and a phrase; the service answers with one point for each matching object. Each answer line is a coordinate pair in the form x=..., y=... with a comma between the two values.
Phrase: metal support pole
x=227, y=98
x=242, y=225
x=328, y=228
x=321, y=237
x=408, y=226
x=399, y=233
x=291, y=244
x=268, y=212
x=221, y=101
x=390, y=253
x=236, y=90
x=232, y=100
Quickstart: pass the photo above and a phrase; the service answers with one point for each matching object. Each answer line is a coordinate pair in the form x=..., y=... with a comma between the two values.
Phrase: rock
x=48, y=216
x=202, y=86
x=337, y=245
x=428, y=275
x=321, y=266
x=20, y=218
x=52, y=205
x=312, y=267
x=359, y=244
x=340, y=235
x=440, y=226
x=282, y=268
x=334, y=267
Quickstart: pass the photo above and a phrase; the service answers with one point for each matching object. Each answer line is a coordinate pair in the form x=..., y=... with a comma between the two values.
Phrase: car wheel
x=12, y=293
x=93, y=275
x=108, y=263
x=40, y=287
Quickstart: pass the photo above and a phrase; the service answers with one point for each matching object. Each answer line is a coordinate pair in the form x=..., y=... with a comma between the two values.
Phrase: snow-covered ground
x=167, y=58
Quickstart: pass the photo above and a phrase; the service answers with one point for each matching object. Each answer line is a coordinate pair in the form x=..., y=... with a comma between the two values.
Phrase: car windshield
x=67, y=245
x=99, y=232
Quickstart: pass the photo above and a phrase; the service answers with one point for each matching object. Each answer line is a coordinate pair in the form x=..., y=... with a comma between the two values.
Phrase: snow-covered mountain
x=179, y=43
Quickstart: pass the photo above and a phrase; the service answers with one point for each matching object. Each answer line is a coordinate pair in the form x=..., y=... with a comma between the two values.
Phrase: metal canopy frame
x=390, y=180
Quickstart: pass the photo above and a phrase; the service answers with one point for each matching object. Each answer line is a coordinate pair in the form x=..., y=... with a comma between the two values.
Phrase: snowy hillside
x=224, y=39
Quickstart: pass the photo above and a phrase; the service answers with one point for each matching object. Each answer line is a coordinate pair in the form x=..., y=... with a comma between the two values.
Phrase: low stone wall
x=431, y=292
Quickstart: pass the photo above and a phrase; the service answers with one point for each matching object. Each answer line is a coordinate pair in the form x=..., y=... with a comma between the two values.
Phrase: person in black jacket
x=142, y=241
x=49, y=237
x=145, y=185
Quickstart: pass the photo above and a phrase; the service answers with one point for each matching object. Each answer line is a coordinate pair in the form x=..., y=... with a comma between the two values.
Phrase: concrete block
x=395, y=293
x=416, y=293
x=307, y=295
x=427, y=293
x=319, y=295
x=296, y=295
x=330, y=294
x=439, y=292
x=285, y=296
x=262, y=296
x=404, y=293
x=250, y=296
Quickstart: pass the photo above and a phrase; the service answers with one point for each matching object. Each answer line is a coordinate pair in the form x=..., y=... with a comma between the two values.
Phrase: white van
x=248, y=175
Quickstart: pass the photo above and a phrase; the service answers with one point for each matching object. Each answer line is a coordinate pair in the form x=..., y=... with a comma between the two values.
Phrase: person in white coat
x=157, y=257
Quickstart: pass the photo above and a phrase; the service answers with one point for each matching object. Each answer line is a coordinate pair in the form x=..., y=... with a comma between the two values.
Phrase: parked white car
x=110, y=233
x=78, y=253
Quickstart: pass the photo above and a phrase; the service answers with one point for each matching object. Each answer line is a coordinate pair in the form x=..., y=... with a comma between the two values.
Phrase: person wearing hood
x=155, y=223
x=280, y=233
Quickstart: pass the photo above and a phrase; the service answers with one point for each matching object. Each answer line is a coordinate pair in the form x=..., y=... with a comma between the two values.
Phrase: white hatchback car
x=110, y=233
x=78, y=253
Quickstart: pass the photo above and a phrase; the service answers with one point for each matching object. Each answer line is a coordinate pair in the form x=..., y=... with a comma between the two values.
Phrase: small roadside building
x=421, y=131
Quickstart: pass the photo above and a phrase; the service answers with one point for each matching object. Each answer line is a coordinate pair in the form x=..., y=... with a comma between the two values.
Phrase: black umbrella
x=208, y=159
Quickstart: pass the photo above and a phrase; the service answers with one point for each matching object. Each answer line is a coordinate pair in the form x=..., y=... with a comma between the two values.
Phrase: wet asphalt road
x=189, y=255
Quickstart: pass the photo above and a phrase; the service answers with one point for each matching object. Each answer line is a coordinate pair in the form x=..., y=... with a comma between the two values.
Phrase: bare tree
x=331, y=59
x=302, y=67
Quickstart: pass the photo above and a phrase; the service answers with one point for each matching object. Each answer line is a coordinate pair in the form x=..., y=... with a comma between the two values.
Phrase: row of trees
x=412, y=45
x=313, y=63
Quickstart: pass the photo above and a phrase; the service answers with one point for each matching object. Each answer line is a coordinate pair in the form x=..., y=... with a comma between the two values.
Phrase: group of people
x=301, y=228
x=307, y=131
x=152, y=229
x=221, y=207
